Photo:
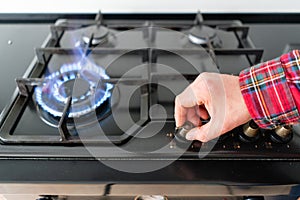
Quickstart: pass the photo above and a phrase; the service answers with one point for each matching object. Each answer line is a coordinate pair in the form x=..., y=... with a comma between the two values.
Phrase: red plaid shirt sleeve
x=271, y=91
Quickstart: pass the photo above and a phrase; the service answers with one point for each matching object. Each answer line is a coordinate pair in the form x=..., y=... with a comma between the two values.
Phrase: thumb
x=202, y=133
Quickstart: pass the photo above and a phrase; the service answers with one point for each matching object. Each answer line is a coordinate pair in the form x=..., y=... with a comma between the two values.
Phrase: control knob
x=181, y=132
x=282, y=134
x=47, y=197
x=250, y=132
x=151, y=197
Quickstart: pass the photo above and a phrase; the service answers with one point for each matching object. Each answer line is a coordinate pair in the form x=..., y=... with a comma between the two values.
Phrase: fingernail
x=190, y=135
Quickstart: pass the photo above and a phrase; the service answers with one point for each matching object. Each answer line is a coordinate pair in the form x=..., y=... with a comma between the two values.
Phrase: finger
x=203, y=133
x=180, y=112
x=193, y=117
x=183, y=101
x=202, y=112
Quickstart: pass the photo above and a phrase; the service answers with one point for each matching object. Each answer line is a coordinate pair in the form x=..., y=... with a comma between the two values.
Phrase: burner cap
x=99, y=33
x=82, y=81
x=200, y=34
x=66, y=88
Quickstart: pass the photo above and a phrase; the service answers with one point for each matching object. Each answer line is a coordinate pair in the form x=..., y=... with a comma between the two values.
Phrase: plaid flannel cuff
x=267, y=94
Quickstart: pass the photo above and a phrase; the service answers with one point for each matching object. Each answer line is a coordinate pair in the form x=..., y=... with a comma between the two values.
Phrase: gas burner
x=80, y=80
x=97, y=33
x=200, y=34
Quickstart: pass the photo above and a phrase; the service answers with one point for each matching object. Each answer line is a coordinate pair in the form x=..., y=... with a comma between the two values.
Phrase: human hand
x=213, y=95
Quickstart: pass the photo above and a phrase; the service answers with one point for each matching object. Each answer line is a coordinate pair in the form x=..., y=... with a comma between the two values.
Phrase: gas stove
x=89, y=70
x=98, y=100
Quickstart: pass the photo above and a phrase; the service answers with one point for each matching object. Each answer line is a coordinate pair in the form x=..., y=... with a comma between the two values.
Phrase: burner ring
x=65, y=89
x=102, y=112
x=201, y=34
x=100, y=34
x=82, y=81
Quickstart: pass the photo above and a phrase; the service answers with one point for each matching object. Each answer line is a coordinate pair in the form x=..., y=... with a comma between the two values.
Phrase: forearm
x=271, y=90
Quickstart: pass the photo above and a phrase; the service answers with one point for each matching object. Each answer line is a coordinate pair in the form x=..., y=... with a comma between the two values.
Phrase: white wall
x=143, y=6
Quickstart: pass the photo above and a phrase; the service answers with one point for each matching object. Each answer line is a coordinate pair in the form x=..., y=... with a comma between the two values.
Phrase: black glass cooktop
x=113, y=82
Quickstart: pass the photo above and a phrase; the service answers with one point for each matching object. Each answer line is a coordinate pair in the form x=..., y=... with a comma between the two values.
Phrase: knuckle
x=204, y=74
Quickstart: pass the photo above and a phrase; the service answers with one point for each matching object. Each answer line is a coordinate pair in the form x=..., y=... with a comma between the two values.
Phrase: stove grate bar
x=75, y=51
x=237, y=51
x=243, y=29
x=117, y=24
x=25, y=85
x=62, y=125
x=170, y=77
x=45, y=53
x=64, y=25
x=258, y=53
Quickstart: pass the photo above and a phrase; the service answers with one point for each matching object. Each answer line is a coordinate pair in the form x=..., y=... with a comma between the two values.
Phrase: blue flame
x=51, y=99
